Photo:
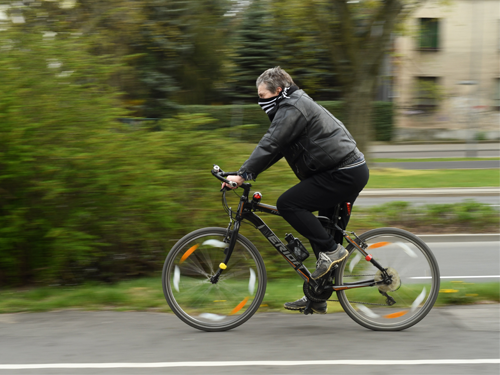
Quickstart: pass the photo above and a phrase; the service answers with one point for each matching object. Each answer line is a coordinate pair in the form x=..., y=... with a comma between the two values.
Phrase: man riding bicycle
x=323, y=155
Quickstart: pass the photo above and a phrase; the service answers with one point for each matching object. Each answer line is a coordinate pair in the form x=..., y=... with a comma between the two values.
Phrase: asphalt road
x=451, y=340
x=371, y=197
x=472, y=258
x=426, y=165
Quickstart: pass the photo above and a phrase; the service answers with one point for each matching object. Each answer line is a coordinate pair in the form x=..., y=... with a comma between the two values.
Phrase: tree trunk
x=358, y=112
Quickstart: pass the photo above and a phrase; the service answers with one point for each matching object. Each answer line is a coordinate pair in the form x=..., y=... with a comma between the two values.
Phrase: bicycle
x=214, y=279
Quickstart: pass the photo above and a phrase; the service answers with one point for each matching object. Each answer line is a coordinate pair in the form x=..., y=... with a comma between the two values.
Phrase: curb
x=462, y=192
x=467, y=237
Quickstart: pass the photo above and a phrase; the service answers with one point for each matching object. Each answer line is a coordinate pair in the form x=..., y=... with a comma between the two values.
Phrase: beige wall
x=468, y=29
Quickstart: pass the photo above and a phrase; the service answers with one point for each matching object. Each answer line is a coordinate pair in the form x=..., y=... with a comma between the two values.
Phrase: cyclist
x=324, y=157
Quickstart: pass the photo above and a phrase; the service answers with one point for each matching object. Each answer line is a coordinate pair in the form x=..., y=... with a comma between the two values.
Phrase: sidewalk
x=421, y=147
x=435, y=192
x=434, y=150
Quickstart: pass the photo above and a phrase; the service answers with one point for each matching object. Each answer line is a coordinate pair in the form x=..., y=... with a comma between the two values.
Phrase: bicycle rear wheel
x=414, y=287
x=191, y=295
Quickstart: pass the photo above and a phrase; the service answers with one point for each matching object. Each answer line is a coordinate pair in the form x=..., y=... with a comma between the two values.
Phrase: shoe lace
x=322, y=256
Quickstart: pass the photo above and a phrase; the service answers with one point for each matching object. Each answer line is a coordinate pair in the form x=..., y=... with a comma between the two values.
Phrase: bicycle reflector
x=257, y=197
x=348, y=205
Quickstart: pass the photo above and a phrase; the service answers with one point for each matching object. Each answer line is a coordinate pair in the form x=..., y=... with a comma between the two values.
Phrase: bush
x=82, y=196
x=383, y=121
x=249, y=123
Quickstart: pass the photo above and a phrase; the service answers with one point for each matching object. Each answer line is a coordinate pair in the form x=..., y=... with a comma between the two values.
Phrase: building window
x=428, y=93
x=429, y=34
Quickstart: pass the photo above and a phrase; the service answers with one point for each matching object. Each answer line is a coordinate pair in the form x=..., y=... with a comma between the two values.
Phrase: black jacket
x=310, y=138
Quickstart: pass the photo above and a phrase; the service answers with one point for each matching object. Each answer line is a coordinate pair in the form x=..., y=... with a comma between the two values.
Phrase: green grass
x=392, y=178
x=146, y=295
x=279, y=177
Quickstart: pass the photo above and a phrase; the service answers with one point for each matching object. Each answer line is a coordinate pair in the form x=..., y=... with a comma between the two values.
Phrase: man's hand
x=238, y=179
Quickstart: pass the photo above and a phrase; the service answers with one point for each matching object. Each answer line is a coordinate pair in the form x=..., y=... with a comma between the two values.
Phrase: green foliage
x=169, y=51
x=465, y=217
x=81, y=196
x=255, y=49
x=383, y=121
x=280, y=33
x=249, y=122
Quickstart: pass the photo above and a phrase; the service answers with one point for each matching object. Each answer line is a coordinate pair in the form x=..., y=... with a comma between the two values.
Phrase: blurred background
x=113, y=112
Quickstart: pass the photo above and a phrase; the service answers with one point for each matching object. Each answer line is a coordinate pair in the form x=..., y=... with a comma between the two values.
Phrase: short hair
x=274, y=78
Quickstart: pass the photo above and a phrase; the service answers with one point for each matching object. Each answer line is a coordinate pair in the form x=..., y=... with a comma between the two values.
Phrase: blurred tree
x=357, y=34
x=166, y=51
x=256, y=48
x=82, y=196
x=280, y=33
x=300, y=49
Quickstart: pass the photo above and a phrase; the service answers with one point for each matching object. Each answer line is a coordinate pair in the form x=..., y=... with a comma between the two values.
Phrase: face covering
x=270, y=105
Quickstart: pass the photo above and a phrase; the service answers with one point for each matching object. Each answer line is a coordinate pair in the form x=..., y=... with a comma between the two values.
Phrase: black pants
x=321, y=192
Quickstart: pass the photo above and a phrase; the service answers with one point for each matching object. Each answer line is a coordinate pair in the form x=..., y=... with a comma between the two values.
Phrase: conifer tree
x=256, y=49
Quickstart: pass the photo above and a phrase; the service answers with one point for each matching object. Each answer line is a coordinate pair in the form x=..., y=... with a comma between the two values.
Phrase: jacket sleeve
x=287, y=125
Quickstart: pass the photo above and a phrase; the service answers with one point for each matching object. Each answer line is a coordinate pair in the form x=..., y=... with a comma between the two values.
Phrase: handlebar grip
x=218, y=173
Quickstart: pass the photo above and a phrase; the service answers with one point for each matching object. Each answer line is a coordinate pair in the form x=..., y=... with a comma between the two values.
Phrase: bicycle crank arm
x=308, y=310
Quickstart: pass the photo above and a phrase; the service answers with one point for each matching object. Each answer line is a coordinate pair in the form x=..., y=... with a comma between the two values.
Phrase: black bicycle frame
x=245, y=212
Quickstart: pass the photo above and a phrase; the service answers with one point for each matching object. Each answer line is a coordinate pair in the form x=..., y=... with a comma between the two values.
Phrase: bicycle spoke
x=230, y=299
x=406, y=300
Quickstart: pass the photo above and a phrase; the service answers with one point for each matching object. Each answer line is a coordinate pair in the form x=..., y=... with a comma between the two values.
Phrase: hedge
x=250, y=122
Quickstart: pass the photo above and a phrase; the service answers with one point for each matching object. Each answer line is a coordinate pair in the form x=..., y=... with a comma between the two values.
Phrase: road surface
x=449, y=341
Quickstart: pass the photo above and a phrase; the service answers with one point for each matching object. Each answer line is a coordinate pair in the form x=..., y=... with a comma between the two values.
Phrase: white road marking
x=459, y=277
x=353, y=362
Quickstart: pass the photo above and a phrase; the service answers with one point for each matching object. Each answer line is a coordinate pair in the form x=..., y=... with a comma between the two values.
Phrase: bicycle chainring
x=314, y=296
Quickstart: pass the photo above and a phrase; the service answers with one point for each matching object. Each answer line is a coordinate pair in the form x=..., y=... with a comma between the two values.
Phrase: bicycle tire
x=195, y=299
x=415, y=293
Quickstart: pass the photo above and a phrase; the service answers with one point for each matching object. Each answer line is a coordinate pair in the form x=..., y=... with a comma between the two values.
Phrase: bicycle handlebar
x=218, y=173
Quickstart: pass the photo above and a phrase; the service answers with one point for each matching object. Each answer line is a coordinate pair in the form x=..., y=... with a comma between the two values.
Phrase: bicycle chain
x=357, y=275
x=363, y=303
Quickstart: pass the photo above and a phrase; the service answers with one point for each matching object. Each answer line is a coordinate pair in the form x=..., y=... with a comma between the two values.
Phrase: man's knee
x=283, y=204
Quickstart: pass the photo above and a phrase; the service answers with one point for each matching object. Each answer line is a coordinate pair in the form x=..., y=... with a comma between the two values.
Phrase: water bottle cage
x=296, y=247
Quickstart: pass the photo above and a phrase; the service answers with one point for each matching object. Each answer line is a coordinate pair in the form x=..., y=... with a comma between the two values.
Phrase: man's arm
x=287, y=125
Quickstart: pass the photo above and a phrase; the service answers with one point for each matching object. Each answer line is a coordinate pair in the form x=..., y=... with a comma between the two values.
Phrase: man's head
x=272, y=82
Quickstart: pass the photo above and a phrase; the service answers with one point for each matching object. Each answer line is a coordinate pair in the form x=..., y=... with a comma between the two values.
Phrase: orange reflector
x=396, y=314
x=239, y=307
x=378, y=244
x=189, y=252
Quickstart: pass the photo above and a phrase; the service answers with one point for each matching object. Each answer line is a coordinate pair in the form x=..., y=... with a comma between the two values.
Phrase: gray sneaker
x=300, y=304
x=327, y=260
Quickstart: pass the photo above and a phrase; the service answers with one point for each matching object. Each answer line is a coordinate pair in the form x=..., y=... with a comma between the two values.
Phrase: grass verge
x=393, y=178
x=146, y=295
x=389, y=160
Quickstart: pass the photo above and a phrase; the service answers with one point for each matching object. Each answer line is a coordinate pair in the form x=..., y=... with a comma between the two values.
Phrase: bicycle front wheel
x=414, y=287
x=193, y=297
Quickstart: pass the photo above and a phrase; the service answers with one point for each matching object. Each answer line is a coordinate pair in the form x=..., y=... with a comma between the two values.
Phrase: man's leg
x=321, y=192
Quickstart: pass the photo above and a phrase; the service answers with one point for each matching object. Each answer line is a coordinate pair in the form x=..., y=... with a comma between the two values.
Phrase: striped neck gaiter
x=270, y=105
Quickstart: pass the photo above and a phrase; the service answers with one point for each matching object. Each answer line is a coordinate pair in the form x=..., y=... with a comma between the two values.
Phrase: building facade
x=446, y=71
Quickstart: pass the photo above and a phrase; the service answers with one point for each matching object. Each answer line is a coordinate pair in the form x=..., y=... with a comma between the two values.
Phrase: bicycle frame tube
x=277, y=243
x=244, y=212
